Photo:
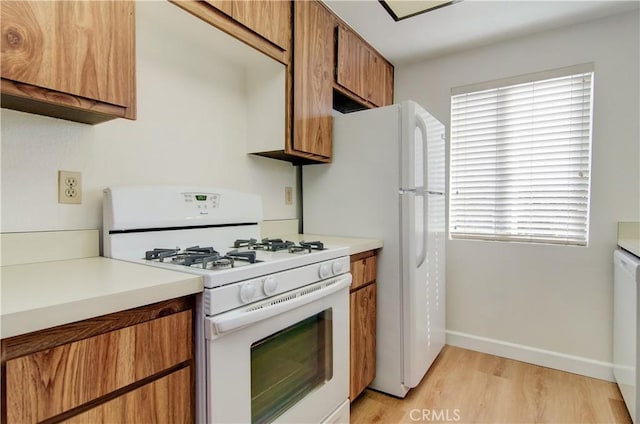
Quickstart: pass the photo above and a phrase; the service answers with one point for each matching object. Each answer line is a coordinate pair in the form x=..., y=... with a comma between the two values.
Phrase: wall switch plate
x=69, y=187
x=288, y=195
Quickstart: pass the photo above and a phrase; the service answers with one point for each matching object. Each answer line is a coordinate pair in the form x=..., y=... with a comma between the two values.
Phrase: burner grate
x=248, y=255
x=160, y=254
x=307, y=246
x=277, y=244
x=244, y=243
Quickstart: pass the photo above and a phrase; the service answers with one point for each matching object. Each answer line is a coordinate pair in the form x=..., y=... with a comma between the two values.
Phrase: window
x=520, y=158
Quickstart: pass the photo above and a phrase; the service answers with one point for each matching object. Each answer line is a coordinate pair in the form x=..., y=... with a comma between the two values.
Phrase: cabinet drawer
x=47, y=383
x=163, y=401
x=363, y=270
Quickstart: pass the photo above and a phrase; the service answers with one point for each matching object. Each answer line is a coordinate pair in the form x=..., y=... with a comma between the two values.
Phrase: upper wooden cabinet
x=361, y=70
x=312, y=81
x=307, y=37
x=381, y=86
x=262, y=24
x=269, y=18
x=69, y=59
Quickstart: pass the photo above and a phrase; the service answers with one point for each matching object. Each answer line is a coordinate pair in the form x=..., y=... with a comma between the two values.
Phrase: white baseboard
x=546, y=358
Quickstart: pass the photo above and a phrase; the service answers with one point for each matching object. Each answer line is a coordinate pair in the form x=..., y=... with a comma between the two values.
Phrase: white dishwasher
x=625, y=329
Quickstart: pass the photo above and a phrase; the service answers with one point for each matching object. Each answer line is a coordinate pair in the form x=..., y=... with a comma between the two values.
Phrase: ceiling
x=464, y=25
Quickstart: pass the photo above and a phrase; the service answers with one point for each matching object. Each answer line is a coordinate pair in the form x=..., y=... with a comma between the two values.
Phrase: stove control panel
x=231, y=296
x=201, y=201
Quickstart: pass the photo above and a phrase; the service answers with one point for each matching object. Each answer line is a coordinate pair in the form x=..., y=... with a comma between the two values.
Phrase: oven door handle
x=277, y=305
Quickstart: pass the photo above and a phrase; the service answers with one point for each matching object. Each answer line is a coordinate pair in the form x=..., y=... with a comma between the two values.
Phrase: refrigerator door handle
x=422, y=256
x=425, y=150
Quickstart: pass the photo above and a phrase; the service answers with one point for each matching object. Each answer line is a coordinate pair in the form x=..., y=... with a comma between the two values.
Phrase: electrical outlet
x=288, y=195
x=69, y=187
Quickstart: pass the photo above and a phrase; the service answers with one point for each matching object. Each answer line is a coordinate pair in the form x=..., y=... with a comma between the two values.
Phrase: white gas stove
x=268, y=304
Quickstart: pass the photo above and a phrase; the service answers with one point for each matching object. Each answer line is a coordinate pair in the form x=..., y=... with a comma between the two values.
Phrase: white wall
x=191, y=129
x=541, y=296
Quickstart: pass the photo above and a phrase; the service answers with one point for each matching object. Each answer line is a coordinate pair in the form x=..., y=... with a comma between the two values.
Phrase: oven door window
x=289, y=364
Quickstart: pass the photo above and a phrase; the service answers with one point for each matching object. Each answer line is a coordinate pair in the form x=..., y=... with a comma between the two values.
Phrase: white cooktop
x=267, y=263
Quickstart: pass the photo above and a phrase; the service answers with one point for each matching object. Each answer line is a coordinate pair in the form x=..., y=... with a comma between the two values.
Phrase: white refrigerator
x=387, y=181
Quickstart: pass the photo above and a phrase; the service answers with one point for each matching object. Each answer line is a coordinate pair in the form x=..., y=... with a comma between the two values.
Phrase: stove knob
x=270, y=285
x=247, y=292
x=324, y=271
x=336, y=267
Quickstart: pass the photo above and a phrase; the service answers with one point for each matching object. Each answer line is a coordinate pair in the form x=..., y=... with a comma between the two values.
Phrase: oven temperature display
x=202, y=201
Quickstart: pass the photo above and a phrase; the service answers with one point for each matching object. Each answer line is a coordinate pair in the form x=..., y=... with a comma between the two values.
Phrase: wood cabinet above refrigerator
x=361, y=72
x=73, y=60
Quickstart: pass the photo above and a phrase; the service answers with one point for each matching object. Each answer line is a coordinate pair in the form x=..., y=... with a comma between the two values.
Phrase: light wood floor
x=471, y=387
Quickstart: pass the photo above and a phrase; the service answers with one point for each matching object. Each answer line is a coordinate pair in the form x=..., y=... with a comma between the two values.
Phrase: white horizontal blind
x=520, y=161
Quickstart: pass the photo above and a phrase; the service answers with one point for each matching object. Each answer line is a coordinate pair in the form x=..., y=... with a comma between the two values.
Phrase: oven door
x=284, y=359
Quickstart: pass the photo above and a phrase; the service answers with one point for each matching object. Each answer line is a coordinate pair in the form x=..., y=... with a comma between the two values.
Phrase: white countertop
x=629, y=237
x=36, y=296
x=355, y=245
x=631, y=245
x=46, y=294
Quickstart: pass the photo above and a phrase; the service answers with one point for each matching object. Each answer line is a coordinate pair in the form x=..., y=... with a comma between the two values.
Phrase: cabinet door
x=47, y=383
x=269, y=18
x=225, y=6
x=362, y=71
x=353, y=60
x=163, y=401
x=313, y=79
x=379, y=81
x=83, y=48
x=387, y=85
x=363, y=339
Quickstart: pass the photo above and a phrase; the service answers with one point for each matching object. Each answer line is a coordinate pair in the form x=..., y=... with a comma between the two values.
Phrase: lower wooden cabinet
x=363, y=322
x=163, y=401
x=131, y=366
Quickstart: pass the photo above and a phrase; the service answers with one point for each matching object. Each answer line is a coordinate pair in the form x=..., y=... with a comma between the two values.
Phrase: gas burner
x=221, y=263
